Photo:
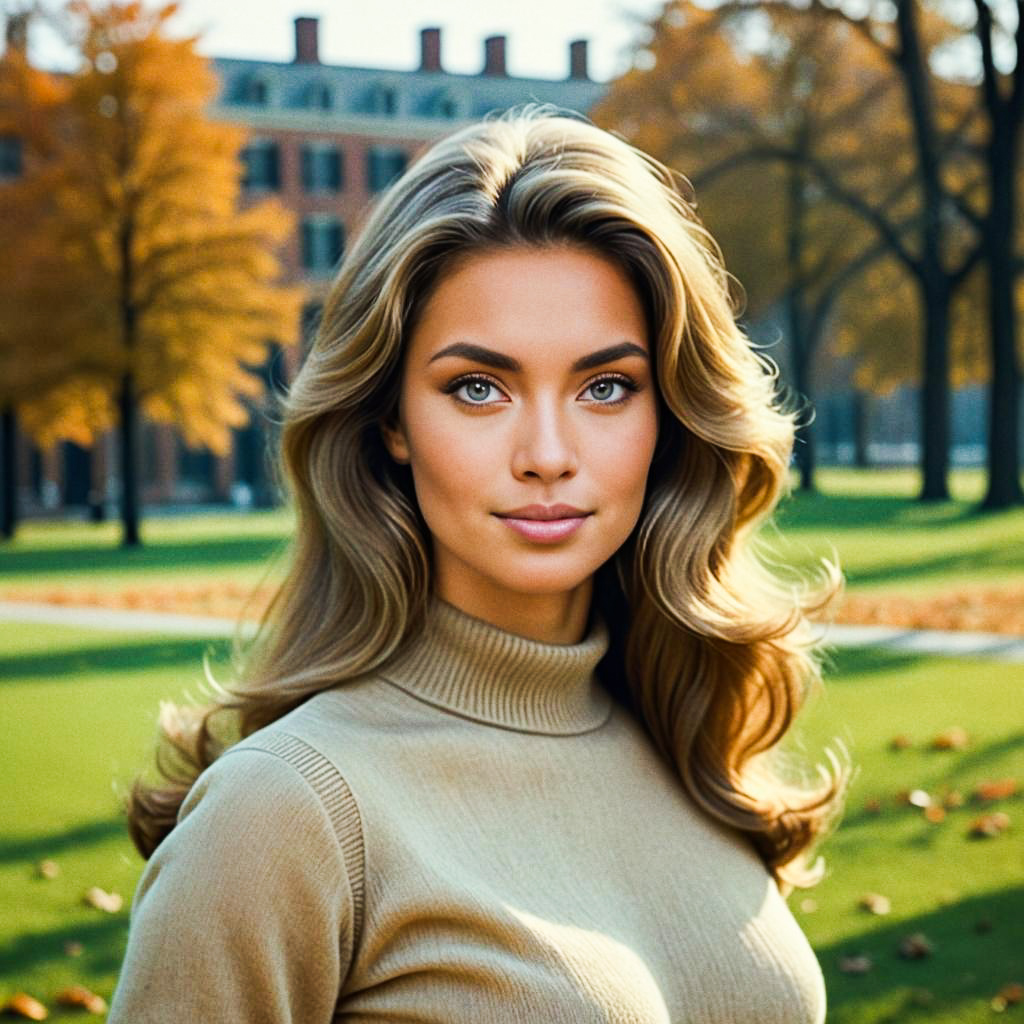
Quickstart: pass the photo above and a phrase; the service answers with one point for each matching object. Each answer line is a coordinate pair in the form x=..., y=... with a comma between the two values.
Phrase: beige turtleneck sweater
x=479, y=834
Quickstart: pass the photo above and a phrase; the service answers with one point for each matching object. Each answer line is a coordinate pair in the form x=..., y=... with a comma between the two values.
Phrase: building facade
x=326, y=140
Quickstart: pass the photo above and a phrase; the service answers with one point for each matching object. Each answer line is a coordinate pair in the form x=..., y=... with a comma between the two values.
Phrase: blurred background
x=177, y=186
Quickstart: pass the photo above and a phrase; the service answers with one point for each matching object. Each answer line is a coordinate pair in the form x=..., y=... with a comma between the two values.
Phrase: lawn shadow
x=122, y=656
x=103, y=940
x=847, y=664
x=32, y=849
x=88, y=559
x=971, y=559
x=976, y=944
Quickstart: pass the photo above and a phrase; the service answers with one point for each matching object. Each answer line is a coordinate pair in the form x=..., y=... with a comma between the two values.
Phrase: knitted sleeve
x=249, y=910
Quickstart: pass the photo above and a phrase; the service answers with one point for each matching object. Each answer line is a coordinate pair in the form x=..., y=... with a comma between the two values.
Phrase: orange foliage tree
x=803, y=145
x=155, y=291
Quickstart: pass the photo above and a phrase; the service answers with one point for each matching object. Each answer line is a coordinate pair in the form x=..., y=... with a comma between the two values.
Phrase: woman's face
x=528, y=384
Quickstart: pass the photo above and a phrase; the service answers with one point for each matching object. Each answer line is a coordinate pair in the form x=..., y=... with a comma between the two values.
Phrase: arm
x=244, y=913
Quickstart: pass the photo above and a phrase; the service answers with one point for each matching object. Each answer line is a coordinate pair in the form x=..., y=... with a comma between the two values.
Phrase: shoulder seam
x=337, y=799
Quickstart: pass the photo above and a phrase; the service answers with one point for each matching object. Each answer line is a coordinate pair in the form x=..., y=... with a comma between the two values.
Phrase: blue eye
x=603, y=388
x=476, y=388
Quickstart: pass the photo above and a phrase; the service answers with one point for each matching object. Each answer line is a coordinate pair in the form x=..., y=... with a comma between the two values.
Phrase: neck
x=560, y=618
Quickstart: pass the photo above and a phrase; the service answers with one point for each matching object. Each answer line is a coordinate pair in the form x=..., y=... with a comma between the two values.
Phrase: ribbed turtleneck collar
x=479, y=671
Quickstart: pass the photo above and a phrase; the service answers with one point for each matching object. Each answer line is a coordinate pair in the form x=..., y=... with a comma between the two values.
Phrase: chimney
x=17, y=31
x=494, y=56
x=306, y=46
x=578, y=59
x=430, y=49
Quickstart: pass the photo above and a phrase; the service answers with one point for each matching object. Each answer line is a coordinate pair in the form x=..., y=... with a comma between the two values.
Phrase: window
x=255, y=91
x=323, y=241
x=383, y=166
x=321, y=168
x=11, y=165
x=384, y=100
x=320, y=96
x=262, y=165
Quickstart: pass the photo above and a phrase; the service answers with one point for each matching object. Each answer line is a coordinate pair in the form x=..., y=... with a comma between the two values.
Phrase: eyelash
x=628, y=383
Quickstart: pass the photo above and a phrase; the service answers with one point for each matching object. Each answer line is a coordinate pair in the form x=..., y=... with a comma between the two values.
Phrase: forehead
x=539, y=304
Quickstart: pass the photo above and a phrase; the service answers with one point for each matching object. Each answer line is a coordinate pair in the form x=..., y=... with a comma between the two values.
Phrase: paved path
x=919, y=641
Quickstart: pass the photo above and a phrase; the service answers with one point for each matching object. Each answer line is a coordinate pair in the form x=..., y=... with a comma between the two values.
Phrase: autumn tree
x=866, y=142
x=904, y=34
x=28, y=99
x=743, y=112
x=173, y=292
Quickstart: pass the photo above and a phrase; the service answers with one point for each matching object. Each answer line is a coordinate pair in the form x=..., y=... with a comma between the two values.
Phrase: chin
x=553, y=581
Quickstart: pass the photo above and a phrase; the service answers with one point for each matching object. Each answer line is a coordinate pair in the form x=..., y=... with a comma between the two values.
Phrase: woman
x=510, y=728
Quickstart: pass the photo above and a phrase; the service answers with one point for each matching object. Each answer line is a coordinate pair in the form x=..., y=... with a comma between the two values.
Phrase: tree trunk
x=934, y=282
x=1005, y=115
x=861, y=429
x=1004, y=488
x=934, y=426
x=128, y=406
x=799, y=343
x=9, y=471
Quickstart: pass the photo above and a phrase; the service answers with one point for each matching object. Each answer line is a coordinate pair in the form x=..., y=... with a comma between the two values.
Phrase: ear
x=395, y=440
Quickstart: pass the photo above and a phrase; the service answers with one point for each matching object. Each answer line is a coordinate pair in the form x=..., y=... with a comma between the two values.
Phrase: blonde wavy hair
x=710, y=648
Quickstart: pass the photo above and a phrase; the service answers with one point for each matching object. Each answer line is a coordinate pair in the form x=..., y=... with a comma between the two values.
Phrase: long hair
x=709, y=648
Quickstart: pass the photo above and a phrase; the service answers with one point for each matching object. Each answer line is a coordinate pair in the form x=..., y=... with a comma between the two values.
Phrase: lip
x=545, y=523
x=544, y=512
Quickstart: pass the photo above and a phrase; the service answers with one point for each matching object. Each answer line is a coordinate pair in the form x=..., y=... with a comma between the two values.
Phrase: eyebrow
x=500, y=361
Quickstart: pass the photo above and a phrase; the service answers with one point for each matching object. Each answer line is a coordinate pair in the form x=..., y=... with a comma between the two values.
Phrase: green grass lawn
x=888, y=542
x=81, y=709
x=228, y=547
x=885, y=541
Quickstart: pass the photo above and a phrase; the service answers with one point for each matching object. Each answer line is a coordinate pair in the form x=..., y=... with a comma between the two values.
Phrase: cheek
x=447, y=460
x=625, y=455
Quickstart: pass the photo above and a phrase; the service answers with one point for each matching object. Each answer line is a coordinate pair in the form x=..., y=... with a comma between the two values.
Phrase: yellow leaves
x=108, y=902
x=48, y=869
x=129, y=249
x=21, y=1004
x=876, y=903
x=80, y=998
x=988, y=826
x=954, y=738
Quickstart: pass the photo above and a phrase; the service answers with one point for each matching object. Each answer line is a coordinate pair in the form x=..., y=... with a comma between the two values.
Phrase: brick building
x=325, y=139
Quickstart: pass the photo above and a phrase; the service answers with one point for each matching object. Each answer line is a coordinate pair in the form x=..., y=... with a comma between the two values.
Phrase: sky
x=386, y=33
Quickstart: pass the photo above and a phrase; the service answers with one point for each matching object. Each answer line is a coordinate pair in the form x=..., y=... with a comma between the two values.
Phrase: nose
x=545, y=445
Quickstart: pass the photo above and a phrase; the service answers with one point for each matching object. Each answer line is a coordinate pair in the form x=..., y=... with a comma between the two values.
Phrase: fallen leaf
x=988, y=826
x=935, y=814
x=110, y=902
x=954, y=798
x=952, y=739
x=78, y=995
x=900, y=742
x=997, y=789
x=915, y=947
x=73, y=948
x=48, y=869
x=1013, y=993
x=21, y=1004
x=873, y=806
x=855, y=964
x=876, y=903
